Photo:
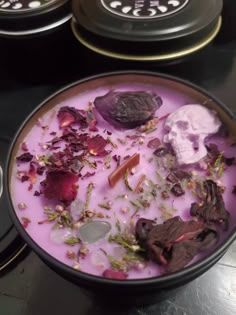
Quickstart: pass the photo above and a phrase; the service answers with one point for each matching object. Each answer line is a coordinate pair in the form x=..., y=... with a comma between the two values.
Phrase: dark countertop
x=28, y=75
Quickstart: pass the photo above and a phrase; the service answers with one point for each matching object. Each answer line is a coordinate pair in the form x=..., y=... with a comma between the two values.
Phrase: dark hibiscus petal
x=127, y=109
x=143, y=227
x=182, y=254
x=174, y=243
x=25, y=157
x=60, y=185
x=213, y=208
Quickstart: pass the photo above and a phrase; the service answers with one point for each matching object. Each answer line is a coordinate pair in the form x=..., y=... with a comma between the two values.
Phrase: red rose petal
x=69, y=115
x=113, y=274
x=24, y=147
x=60, y=185
x=154, y=143
x=66, y=116
x=96, y=145
x=25, y=222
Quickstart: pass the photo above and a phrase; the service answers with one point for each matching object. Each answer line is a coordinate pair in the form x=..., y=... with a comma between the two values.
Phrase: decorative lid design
x=19, y=5
x=144, y=9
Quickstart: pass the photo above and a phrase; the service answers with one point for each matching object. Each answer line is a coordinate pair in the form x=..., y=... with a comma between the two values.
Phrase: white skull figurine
x=187, y=129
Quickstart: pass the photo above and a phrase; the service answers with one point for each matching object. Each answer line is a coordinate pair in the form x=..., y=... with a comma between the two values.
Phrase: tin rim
x=161, y=57
x=37, y=30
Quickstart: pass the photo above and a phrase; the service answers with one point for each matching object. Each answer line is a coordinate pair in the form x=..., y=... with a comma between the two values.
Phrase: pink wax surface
x=95, y=262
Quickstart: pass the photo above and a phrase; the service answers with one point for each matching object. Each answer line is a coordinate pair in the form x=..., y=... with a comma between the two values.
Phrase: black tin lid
x=27, y=17
x=145, y=27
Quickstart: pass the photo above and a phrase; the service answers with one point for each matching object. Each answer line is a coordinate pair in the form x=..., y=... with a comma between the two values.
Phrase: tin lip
x=9, y=33
x=193, y=18
x=14, y=257
x=91, y=281
x=151, y=57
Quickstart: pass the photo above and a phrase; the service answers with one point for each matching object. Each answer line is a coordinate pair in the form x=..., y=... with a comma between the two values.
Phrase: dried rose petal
x=40, y=170
x=66, y=116
x=114, y=274
x=96, y=145
x=25, y=157
x=60, y=185
x=92, y=125
x=25, y=222
x=69, y=115
x=91, y=120
x=117, y=159
x=154, y=143
x=37, y=193
x=24, y=147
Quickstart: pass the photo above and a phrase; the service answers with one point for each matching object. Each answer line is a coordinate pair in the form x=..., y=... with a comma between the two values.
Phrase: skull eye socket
x=195, y=141
x=182, y=125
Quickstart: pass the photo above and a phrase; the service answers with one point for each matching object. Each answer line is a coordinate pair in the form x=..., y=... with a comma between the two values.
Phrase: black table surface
x=28, y=74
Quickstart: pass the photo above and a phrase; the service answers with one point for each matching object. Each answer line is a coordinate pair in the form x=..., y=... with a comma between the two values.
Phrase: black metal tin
x=32, y=17
x=12, y=246
x=133, y=292
x=150, y=30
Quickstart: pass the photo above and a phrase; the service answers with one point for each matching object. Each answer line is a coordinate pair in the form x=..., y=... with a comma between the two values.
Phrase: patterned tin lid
x=27, y=17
